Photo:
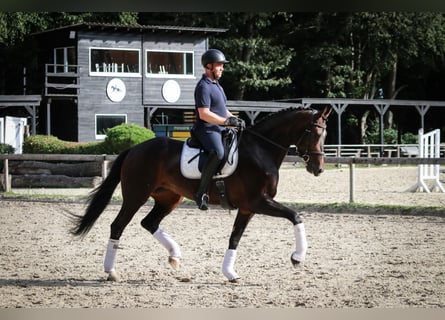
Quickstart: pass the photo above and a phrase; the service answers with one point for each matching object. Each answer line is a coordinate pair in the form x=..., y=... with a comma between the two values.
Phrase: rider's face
x=218, y=68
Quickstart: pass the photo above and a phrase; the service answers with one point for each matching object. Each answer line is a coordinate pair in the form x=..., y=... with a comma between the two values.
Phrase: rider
x=211, y=117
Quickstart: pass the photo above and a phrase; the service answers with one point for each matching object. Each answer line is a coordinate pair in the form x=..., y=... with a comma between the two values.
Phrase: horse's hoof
x=174, y=262
x=112, y=276
x=295, y=263
x=236, y=280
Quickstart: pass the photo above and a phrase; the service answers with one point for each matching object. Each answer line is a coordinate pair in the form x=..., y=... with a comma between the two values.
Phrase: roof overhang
x=109, y=27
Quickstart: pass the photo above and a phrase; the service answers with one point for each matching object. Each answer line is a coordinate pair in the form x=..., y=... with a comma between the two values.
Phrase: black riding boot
x=209, y=170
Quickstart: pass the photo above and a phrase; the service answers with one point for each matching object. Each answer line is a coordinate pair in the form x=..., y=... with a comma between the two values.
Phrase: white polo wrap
x=110, y=256
x=301, y=242
x=228, y=265
x=167, y=241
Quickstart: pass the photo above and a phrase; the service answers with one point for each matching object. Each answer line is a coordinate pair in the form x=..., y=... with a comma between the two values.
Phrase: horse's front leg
x=240, y=224
x=165, y=202
x=272, y=208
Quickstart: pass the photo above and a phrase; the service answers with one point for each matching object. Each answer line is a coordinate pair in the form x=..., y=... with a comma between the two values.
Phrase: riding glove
x=235, y=122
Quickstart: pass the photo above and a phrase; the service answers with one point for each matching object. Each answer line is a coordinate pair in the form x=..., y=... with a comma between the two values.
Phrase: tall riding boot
x=209, y=170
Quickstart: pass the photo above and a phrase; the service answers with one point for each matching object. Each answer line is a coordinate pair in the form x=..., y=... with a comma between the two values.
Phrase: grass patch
x=336, y=207
x=362, y=208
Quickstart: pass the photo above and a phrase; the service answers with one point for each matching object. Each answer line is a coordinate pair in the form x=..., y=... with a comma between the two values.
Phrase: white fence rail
x=106, y=159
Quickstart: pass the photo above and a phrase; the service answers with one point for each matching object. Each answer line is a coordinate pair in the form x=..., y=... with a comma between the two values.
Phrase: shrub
x=6, y=148
x=409, y=138
x=118, y=139
x=124, y=136
x=43, y=144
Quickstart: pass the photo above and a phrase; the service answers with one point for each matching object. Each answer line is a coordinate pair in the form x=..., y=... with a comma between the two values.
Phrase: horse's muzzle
x=315, y=170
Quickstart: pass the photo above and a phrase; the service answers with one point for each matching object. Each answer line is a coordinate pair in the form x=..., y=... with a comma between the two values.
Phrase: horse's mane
x=274, y=115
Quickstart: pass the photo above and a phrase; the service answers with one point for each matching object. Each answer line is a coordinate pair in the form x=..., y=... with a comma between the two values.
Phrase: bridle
x=306, y=156
x=307, y=153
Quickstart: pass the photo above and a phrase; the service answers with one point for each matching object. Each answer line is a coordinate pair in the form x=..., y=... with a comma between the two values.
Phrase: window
x=171, y=63
x=64, y=60
x=114, y=62
x=107, y=121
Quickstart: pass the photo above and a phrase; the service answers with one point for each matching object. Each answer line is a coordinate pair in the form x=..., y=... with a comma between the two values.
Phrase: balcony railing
x=61, y=80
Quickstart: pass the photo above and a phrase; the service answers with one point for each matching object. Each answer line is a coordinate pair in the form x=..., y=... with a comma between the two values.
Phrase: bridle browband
x=307, y=152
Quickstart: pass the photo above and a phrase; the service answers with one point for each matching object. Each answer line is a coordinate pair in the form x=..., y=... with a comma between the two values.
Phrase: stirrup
x=202, y=201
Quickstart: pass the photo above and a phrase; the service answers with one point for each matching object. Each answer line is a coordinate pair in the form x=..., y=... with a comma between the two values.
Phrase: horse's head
x=310, y=144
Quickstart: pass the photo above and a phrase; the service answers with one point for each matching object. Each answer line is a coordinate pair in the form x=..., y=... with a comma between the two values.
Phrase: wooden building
x=99, y=75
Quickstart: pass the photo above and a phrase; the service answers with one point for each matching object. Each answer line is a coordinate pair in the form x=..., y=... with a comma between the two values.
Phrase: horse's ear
x=326, y=112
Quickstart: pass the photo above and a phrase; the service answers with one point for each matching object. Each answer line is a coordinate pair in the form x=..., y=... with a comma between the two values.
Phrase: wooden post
x=104, y=168
x=6, y=176
x=351, y=182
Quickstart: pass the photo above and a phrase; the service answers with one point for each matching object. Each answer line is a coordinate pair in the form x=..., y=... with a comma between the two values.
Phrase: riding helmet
x=212, y=56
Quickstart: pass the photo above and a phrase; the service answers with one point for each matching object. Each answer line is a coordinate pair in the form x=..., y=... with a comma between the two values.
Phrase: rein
x=307, y=153
x=266, y=139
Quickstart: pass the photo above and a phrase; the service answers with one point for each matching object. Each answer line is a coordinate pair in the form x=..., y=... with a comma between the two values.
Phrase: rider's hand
x=235, y=122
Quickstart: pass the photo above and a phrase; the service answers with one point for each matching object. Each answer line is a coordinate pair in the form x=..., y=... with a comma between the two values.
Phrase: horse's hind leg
x=126, y=213
x=165, y=202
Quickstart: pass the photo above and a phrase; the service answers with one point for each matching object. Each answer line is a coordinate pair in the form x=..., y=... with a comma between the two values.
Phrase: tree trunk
x=392, y=79
x=53, y=181
x=83, y=169
x=247, y=51
x=363, y=125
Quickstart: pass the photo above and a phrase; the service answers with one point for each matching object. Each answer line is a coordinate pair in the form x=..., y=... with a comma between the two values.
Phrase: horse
x=152, y=169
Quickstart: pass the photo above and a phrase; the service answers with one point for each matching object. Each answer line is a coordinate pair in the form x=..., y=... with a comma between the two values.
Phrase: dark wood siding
x=153, y=85
x=141, y=90
x=93, y=99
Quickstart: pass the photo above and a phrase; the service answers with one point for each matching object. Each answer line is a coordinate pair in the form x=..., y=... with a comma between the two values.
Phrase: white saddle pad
x=189, y=169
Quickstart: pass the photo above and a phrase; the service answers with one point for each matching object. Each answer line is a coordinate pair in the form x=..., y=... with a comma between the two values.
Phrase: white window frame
x=65, y=62
x=2, y=130
x=170, y=75
x=113, y=73
x=103, y=136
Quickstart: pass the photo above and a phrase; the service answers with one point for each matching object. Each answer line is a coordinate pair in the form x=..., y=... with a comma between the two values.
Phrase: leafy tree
x=16, y=49
x=258, y=59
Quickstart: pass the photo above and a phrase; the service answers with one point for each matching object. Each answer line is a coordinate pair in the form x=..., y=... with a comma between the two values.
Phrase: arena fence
x=352, y=161
x=105, y=160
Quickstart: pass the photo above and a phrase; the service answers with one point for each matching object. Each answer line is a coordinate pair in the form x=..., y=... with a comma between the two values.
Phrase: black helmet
x=212, y=56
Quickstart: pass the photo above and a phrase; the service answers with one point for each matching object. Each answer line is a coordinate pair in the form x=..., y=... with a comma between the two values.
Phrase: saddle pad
x=189, y=169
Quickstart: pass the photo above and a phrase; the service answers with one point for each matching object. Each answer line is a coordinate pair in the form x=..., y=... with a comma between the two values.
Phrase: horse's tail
x=99, y=198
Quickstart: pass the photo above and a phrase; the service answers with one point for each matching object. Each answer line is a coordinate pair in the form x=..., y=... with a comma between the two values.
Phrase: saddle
x=193, y=156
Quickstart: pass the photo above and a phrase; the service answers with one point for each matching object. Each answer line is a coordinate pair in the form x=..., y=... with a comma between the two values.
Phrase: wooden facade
x=98, y=74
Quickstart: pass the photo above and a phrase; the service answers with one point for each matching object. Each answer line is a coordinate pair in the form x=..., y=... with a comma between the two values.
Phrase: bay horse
x=152, y=169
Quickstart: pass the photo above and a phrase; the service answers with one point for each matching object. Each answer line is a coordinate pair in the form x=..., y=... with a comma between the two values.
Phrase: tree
x=15, y=47
x=258, y=59
x=353, y=55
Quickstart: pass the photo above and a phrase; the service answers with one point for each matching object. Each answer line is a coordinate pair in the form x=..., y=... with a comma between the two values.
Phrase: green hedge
x=6, y=148
x=118, y=139
x=124, y=136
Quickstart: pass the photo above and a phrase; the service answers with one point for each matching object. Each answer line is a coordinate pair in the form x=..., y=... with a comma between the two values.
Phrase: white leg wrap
x=228, y=265
x=301, y=242
x=110, y=256
x=167, y=241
